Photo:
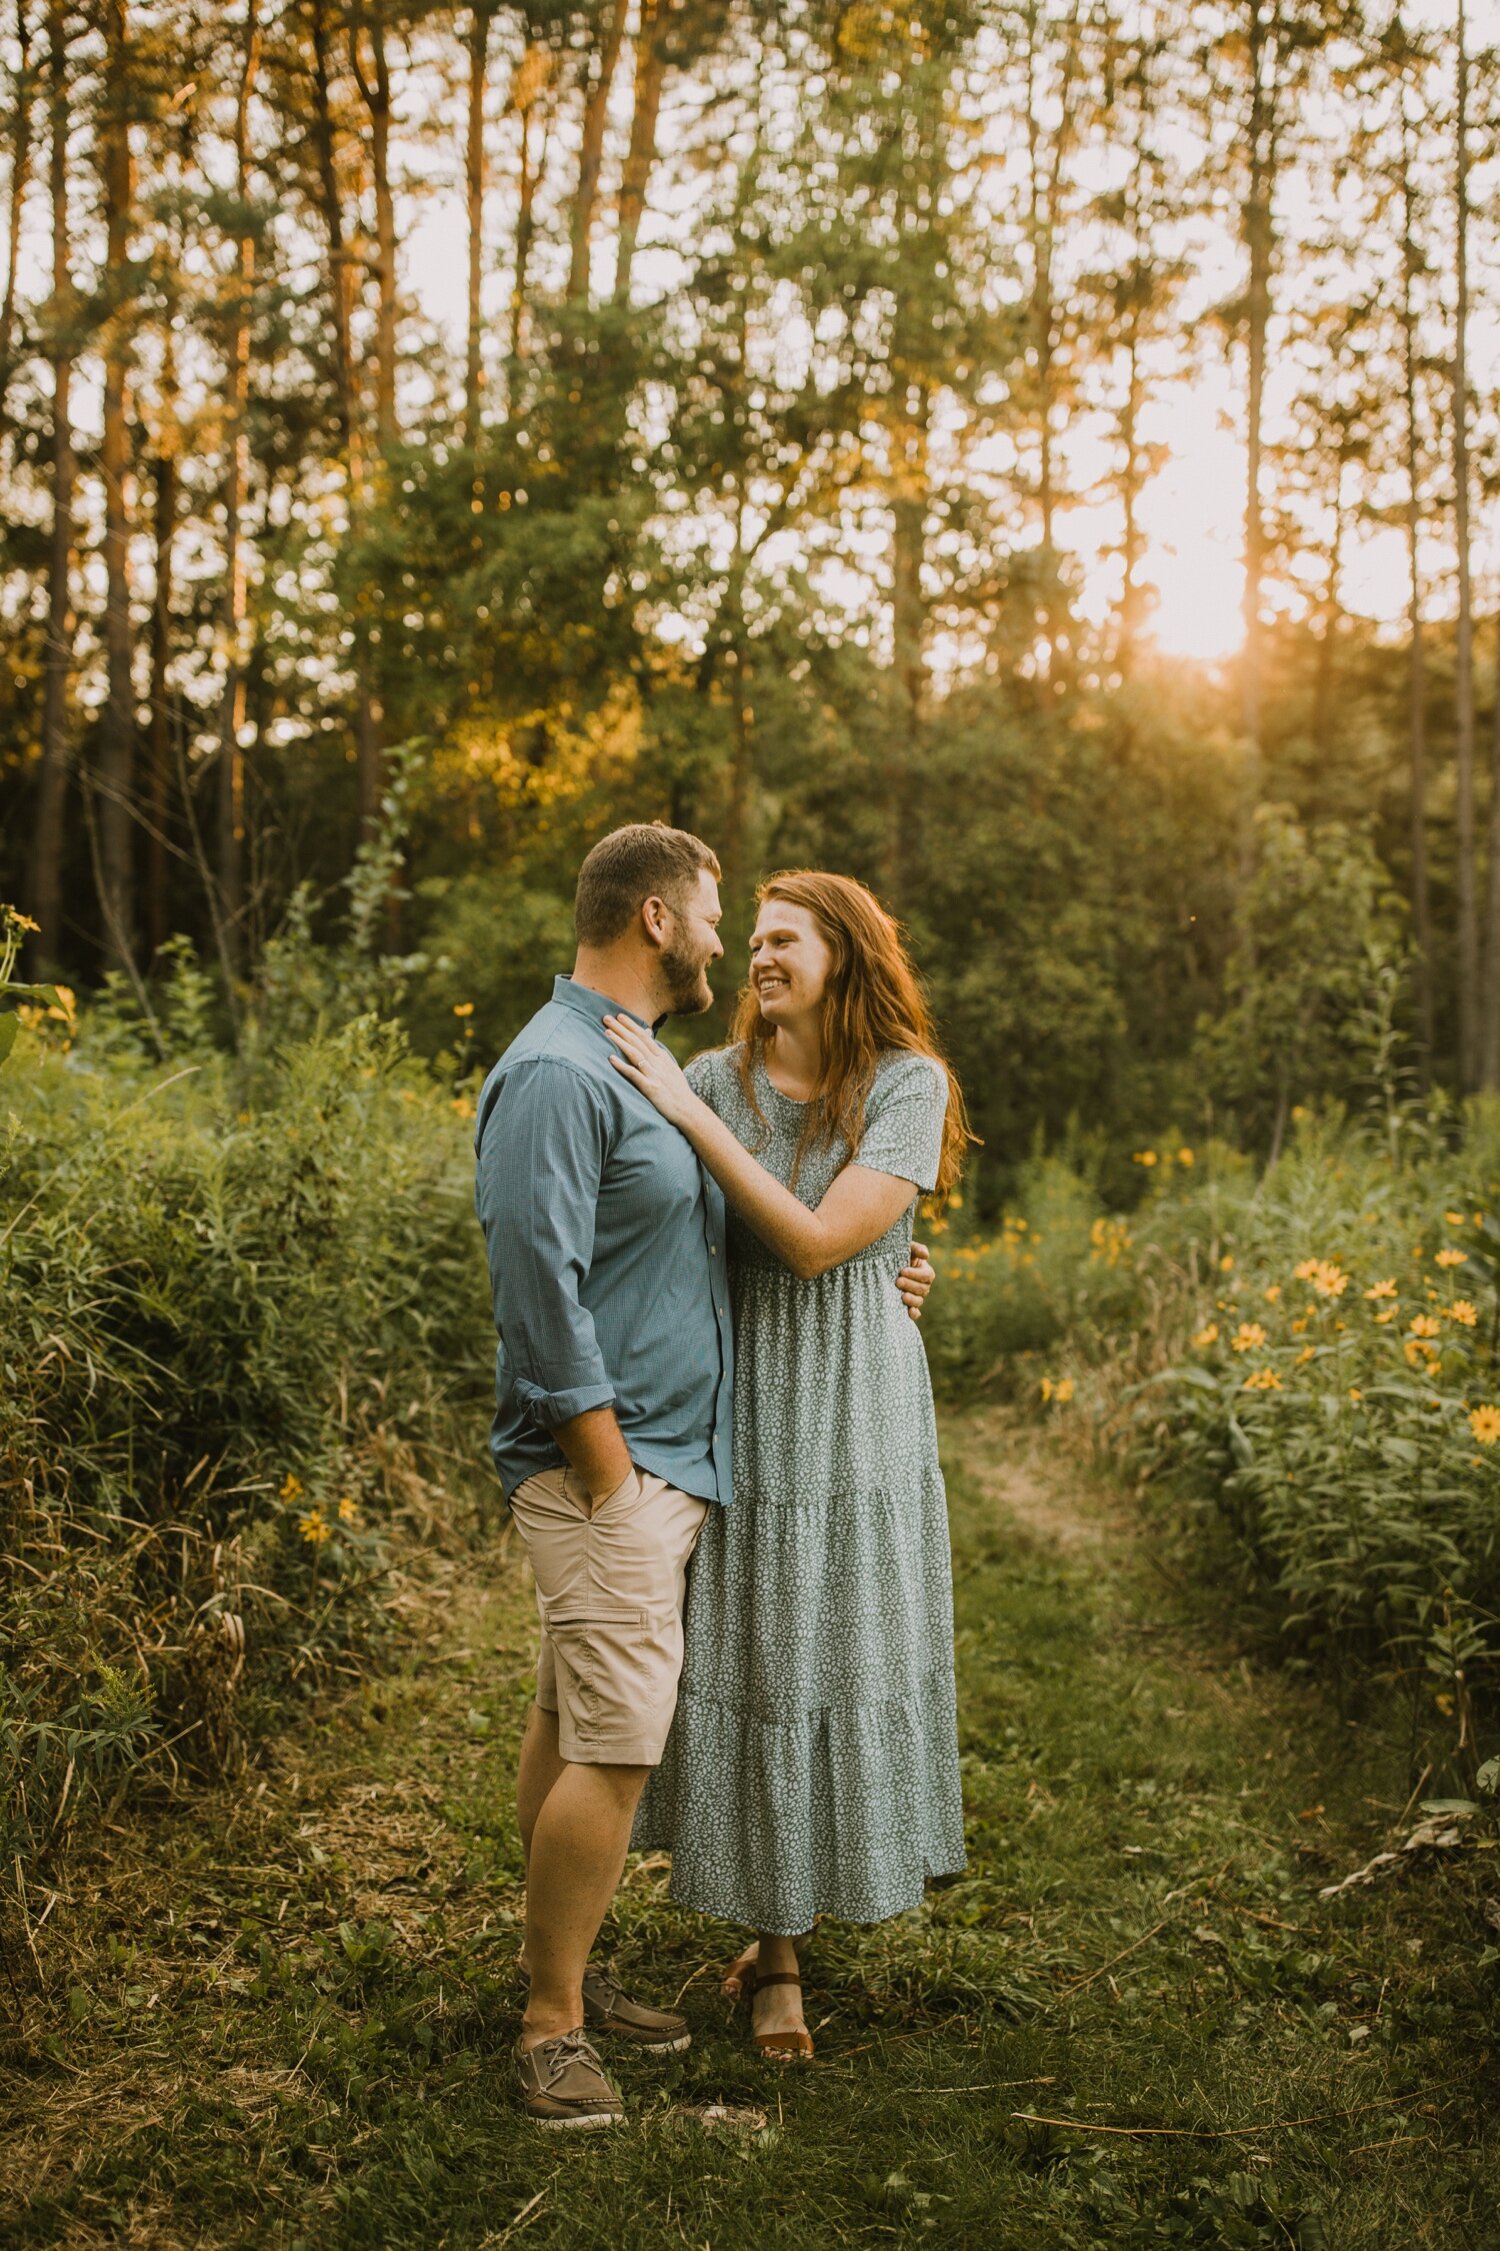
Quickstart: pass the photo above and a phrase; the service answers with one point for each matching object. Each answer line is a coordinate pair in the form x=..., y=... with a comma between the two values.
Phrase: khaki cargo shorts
x=609, y=1587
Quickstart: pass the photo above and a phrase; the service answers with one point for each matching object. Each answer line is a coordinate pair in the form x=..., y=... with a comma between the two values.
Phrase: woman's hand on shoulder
x=914, y=1281
x=654, y=1069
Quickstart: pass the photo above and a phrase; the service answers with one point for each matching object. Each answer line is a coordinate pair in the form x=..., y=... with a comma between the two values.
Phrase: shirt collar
x=586, y=1002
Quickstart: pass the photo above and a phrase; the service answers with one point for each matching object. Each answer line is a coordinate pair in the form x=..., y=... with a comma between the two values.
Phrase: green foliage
x=235, y=1299
x=1318, y=941
x=1313, y=1348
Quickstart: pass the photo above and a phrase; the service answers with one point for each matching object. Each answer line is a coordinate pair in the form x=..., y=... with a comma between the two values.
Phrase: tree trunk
x=376, y=95
x=1322, y=716
x=591, y=149
x=46, y=896
x=650, y=72
x=20, y=175
x=117, y=726
x=230, y=810
x=164, y=526
x=1468, y=922
x=1421, y=906
x=474, y=183
x=527, y=95
x=1489, y=1054
x=367, y=742
x=1260, y=242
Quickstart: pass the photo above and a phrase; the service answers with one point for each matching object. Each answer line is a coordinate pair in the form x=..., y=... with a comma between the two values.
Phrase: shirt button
x=713, y=1250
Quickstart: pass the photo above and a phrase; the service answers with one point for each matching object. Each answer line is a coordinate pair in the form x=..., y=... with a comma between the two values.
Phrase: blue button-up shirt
x=606, y=1249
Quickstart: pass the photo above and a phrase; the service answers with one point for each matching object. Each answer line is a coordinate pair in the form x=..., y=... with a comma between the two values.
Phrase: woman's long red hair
x=873, y=1005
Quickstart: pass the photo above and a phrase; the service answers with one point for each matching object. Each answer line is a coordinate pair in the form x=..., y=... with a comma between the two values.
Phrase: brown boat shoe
x=564, y=2085
x=607, y=2007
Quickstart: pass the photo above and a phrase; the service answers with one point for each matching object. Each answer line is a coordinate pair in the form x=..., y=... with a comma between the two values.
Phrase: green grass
x=282, y=2015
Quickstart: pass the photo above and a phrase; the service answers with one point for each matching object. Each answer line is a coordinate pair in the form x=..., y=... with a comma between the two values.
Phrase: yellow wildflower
x=1272, y=1292
x=1329, y=1278
x=1450, y=1257
x=1355, y=1393
x=314, y=1529
x=1387, y=1288
x=1063, y=1391
x=1247, y=1336
x=1424, y=1325
x=463, y=1008
x=1464, y=1312
x=291, y=1488
x=1262, y=1379
x=348, y=1511
x=1144, y=1157
x=1485, y=1424
x=1226, y=1263
x=1388, y=1315
x=1186, y=1157
x=1046, y=1388
x=1454, y=1218
x=1207, y=1335
x=1306, y=1271
x=1299, y=1324
x=1419, y=1353
x=1308, y=1352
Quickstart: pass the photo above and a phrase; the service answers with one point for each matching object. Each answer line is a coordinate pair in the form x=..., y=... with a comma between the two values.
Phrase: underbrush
x=1313, y=1347
x=239, y=1303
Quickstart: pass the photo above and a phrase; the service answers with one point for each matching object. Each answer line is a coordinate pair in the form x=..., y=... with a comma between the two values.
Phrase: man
x=614, y=1378
x=611, y=1434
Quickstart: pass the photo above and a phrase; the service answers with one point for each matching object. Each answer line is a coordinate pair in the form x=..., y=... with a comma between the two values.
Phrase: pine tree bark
x=117, y=725
x=1421, y=905
x=165, y=488
x=1463, y=686
x=369, y=752
x=591, y=149
x=1489, y=1047
x=1260, y=243
x=650, y=74
x=229, y=823
x=474, y=187
x=375, y=92
x=52, y=791
x=528, y=99
x=20, y=178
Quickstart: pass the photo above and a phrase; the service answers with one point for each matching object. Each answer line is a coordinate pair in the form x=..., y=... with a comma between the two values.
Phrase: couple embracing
x=704, y=1289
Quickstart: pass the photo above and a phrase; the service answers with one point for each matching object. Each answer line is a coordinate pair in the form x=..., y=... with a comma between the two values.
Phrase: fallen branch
x=1218, y=2133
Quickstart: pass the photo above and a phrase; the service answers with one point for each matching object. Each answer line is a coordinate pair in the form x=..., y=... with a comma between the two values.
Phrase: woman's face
x=790, y=962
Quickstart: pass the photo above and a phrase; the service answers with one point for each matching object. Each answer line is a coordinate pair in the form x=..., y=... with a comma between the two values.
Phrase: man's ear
x=655, y=919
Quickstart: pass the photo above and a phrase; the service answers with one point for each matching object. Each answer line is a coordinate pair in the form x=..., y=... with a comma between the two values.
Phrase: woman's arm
x=858, y=1209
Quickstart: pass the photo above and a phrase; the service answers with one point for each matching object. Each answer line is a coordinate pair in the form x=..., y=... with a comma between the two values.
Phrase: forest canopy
x=830, y=427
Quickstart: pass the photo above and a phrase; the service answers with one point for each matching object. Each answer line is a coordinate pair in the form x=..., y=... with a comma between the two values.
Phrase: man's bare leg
x=579, y=1837
x=540, y=1765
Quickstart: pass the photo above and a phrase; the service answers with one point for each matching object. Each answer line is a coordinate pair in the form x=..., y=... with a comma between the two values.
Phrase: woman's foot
x=769, y=1968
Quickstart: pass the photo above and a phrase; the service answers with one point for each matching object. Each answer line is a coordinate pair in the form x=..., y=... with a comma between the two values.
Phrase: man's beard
x=684, y=974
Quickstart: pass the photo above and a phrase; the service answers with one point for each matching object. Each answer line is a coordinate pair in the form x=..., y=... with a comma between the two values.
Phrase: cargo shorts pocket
x=603, y=1648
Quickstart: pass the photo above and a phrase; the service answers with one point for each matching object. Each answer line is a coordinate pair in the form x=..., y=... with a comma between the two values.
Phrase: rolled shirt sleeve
x=541, y=1159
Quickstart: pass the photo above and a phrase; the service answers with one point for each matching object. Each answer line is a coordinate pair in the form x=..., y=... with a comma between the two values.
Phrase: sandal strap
x=775, y=1977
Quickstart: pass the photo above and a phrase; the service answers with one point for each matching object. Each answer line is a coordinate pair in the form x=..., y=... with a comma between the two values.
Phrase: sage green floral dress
x=813, y=1763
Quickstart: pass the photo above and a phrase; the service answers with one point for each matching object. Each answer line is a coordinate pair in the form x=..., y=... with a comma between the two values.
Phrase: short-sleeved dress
x=813, y=1764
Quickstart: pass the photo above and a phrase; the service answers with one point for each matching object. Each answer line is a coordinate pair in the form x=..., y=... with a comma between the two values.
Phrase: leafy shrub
x=1314, y=1347
x=236, y=1300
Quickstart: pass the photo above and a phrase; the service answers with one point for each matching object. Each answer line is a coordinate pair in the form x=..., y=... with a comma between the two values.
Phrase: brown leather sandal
x=792, y=2046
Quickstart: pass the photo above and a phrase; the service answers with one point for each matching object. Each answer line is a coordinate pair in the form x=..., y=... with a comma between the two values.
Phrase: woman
x=813, y=1763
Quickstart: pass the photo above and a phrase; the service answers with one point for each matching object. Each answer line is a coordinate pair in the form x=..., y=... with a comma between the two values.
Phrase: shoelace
x=568, y=2047
x=605, y=1987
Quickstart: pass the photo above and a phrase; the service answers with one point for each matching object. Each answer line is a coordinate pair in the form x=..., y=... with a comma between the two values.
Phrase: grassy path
x=282, y=2017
